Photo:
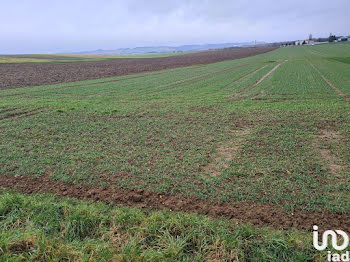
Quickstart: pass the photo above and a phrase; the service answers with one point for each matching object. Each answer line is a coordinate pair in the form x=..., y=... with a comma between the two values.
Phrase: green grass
x=44, y=228
x=160, y=133
x=342, y=59
x=286, y=140
x=5, y=59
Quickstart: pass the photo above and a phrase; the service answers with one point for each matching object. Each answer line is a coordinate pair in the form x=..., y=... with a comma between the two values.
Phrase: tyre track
x=199, y=77
x=339, y=92
x=316, y=53
x=245, y=76
x=21, y=114
x=259, y=81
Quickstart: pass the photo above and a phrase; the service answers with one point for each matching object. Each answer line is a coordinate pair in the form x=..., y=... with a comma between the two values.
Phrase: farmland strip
x=260, y=214
x=226, y=152
x=339, y=92
x=259, y=81
x=332, y=161
x=88, y=84
x=24, y=75
x=245, y=76
x=8, y=109
x=316, y=53
x=134, y=77
x=21, y=114
x=199, y=76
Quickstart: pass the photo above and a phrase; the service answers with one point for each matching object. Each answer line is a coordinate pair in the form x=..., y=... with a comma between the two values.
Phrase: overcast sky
x=50, y=26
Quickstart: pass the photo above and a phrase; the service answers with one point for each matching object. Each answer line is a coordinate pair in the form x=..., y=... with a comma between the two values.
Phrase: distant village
x=316, y=41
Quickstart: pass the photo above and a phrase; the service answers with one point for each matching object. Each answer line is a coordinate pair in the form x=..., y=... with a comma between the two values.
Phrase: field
x=56, y=69
x=39, y=58
x=230, y=161
x=67, y=58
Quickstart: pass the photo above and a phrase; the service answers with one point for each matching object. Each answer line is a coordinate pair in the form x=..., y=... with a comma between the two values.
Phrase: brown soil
x=260, y=214
x=226, y=152
x=332, y=162
x=21, y=247
x=339, y=92
x=22, y=75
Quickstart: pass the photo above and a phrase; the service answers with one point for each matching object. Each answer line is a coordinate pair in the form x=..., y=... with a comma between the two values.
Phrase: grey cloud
x=55, y=26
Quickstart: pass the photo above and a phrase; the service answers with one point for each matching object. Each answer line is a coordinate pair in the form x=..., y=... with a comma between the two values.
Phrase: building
x=304, y=42
x=342, y=39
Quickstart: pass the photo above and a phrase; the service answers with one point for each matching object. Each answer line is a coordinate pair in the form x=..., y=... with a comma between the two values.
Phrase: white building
x=305, y=42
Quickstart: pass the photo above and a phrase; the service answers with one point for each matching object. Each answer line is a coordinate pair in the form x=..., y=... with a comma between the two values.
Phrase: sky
x=56, y=26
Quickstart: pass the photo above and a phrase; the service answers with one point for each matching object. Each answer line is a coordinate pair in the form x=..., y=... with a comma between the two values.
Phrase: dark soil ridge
x=256, y=213
x=23, y=75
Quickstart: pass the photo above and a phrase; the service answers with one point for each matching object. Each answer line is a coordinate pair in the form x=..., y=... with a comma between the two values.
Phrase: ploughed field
x=263, y=140
x=28, y=71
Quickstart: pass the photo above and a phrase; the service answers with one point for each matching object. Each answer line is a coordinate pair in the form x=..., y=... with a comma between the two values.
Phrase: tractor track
x=259, y=81
x=21, y=114
x=339, y=92
x=246, y=75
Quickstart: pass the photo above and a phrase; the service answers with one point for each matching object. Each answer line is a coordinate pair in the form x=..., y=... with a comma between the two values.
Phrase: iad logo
x=333, y=235
x=334, y=239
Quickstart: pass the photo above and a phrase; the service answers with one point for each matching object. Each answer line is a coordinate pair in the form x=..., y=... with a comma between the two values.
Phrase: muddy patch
x=256, y=213
x=21, y=246
x=332, y=162
x=226, y=152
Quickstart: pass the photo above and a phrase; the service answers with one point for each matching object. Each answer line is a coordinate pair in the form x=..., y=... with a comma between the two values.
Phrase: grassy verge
x=44, y=228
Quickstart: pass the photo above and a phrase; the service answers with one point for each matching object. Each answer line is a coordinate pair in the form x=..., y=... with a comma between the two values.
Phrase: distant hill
x=163, y=49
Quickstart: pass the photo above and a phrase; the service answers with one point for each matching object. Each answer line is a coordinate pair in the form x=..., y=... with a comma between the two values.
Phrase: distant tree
x=310, y=36
x=331, y=38
x=304, y=42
